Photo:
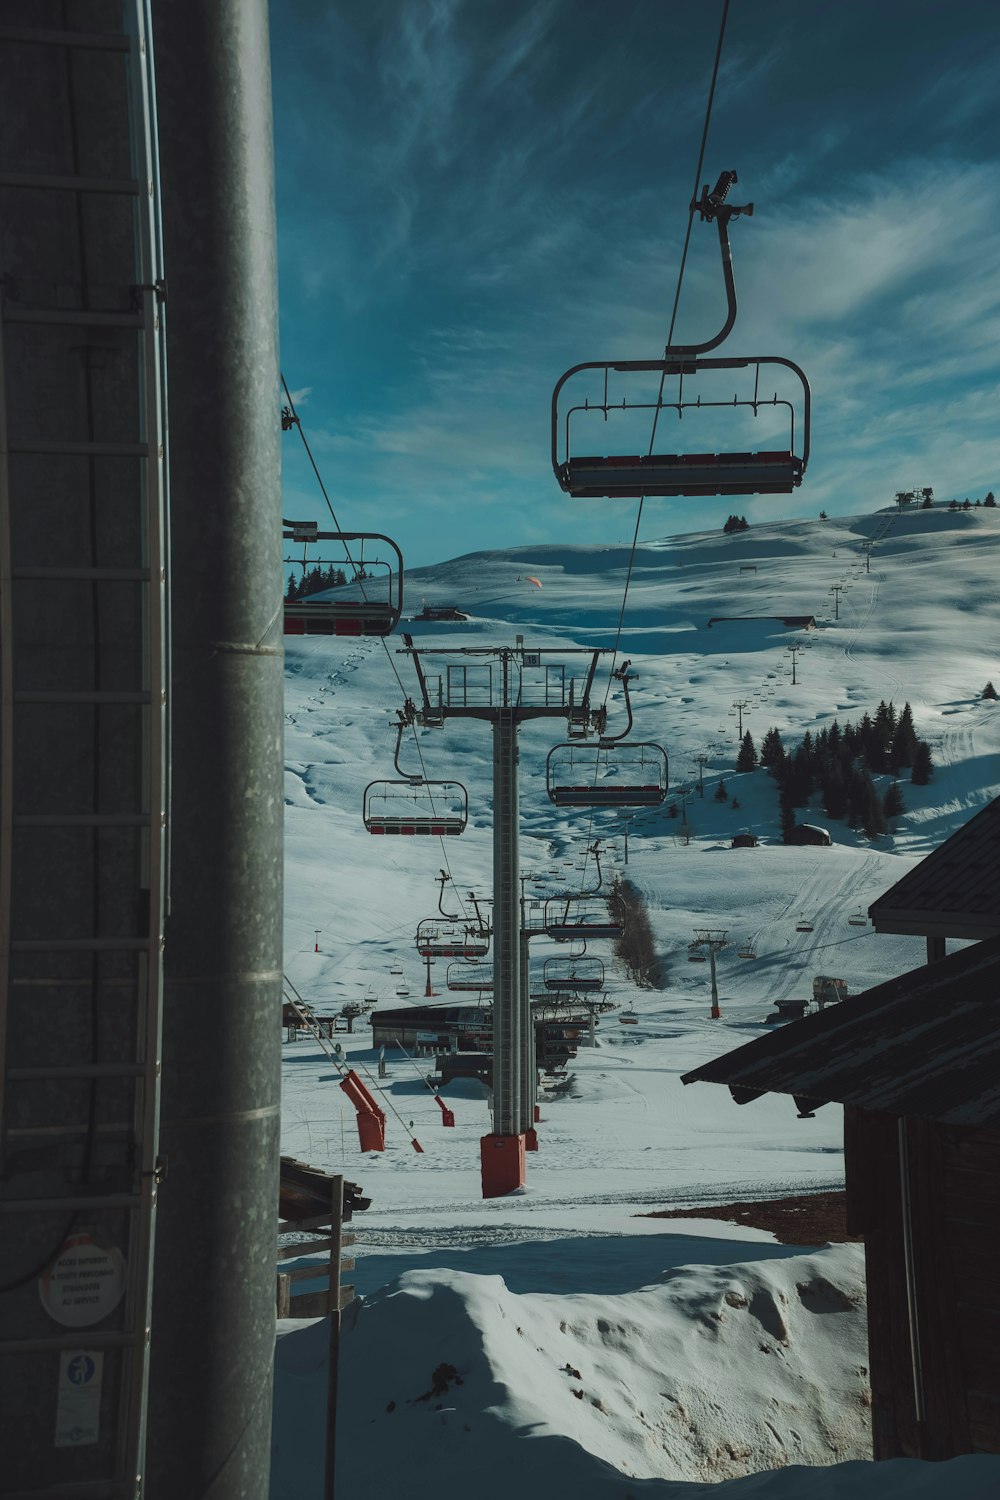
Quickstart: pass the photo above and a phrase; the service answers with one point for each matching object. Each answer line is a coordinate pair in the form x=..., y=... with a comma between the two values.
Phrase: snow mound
x=717, y=1373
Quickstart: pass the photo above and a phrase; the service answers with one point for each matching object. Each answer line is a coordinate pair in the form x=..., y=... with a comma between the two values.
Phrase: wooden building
x=916, y=1064
x=953, y=893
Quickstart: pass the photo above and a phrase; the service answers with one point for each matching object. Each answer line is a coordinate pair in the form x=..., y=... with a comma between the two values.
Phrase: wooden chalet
x=916, y=1064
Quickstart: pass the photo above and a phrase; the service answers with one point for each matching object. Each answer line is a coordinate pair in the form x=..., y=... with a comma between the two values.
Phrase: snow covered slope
x=923, y=625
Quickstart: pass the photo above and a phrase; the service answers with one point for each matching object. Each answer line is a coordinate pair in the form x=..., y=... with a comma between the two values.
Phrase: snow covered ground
x=645, y=1335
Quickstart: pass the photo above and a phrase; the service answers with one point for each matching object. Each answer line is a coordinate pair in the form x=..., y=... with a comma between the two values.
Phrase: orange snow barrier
x=371, y=1119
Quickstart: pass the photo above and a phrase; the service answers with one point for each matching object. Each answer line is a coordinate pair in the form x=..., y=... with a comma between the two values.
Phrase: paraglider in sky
x=528, y=578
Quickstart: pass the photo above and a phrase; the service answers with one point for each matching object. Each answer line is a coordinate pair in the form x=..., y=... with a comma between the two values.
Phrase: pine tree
x=721, y=795
x=990, y=501
x=923, y=765
x=989, y=691
x=904, y=741
x=893, y=805
x=965, y=503
x=835, y=793
x=744, y=524
x=747, y=758
x=772, y=751
x=292, y=591
x=928, y=500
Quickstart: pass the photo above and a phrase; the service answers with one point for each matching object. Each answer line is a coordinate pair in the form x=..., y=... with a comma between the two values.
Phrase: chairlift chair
x=747, y=951
x=611, y=774
x=858, y=918
x=803, y=925
x=370, y=602
x=766, y=472
x=432, y=808
x=585, y=976
x=695, y=955
x=629, y=1018
x=469, y=978
x=438, y=939
x=569, y=917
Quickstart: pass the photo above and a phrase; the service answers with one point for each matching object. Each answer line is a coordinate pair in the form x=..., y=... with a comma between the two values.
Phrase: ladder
x=83, y=750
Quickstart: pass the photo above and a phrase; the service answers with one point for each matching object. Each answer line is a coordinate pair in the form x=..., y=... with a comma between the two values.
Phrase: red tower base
x=538, y=1113
x=503, y=1164
x=531, y=1139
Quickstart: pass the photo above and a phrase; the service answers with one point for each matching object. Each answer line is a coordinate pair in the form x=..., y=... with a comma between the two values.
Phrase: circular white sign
x=84, y=1284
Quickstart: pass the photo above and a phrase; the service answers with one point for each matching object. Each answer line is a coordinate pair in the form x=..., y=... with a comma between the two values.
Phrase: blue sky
x=475, y=194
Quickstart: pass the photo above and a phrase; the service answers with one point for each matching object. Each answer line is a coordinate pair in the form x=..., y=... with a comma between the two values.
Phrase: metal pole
x=716, y=1012
x=212, y=1349
x=507, y=1007
x=333, y=1346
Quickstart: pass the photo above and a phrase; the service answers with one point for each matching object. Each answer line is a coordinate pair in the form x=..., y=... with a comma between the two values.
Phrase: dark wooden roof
x=926, y=1044
x=954, y=892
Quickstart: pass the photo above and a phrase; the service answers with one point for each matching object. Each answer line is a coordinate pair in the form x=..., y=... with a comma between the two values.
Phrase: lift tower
x=504, y=686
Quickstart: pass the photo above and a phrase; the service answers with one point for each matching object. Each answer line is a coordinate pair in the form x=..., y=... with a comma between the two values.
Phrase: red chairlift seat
x=430, y=808
x=369, y=603
x=763, y=473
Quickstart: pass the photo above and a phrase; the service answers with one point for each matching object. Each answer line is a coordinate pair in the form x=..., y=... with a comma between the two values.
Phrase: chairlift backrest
x=437, y=808
x=620, y=774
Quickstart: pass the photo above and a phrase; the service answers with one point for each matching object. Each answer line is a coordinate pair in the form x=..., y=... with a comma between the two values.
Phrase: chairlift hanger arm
x=623, y=676
x=405, y=720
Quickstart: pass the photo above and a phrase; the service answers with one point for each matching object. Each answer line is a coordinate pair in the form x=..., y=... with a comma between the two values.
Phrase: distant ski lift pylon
x=772, y=471
x=622, y=774
x=438, y=939
x=369, y=602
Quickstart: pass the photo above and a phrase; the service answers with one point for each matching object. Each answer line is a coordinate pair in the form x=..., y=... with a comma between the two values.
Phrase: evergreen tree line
x=736, y=523
x=313, y=581
x=635, y=947
x=839, y=763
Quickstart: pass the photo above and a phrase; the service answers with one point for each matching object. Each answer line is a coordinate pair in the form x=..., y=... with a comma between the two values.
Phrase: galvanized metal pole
x=506, y=928
x=213, y=1307
x=333, y=1345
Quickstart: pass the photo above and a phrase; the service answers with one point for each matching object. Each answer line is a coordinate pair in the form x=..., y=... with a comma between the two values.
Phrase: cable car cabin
x=775, y=470
x=354, y=592
x=615, y=775
x=568, y=917
x=475, y=978
x=433, y=808
x=437, y=939
x=581, y=976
